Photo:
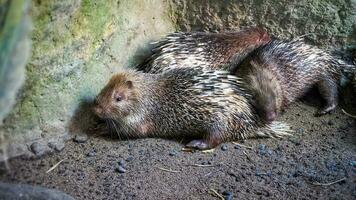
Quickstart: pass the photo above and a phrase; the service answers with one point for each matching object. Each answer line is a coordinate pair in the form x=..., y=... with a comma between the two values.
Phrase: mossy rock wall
x=78, y=44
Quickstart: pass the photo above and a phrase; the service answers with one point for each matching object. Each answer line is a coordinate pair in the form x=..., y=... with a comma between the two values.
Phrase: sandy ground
x=319, y=162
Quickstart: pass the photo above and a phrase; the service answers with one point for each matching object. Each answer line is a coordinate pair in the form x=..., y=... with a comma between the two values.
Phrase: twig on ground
x=208, y=151
x=187, y=149
x=348, y=114
x=193, y=150
x=327, y=184
x=54, y=166
x=241, y=145
x=168, y=170
x=216, y=194
x=248, y=157
x=199, y=165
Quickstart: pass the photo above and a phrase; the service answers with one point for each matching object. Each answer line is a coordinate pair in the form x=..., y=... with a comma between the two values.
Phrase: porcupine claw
x=198, y=144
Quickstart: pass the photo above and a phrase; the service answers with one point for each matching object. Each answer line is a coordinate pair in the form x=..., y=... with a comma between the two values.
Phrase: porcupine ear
x=129, y=84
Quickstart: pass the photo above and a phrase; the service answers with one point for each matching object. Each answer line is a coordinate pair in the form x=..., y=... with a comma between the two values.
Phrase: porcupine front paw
x=326, y=110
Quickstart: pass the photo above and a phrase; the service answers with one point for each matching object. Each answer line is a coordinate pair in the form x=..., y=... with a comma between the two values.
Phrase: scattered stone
x=353, y=163
x=130, y=158
x=231, y=173
x=39, y=149
x=130, y=147
x=120, y=169
x=300, y=131
x=237, y=147
x=261, y=149
x=224, y=147
x=80, y=138
x=23, y=191
x=91, y=153
x=295, y=141
x=122, y=163
x=227, y=195
x=330, y=123
x=173, y=153
x=57, y=145
x=297, y=173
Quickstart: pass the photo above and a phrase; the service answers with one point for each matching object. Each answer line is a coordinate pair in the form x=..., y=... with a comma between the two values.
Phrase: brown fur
x=220, y=51
x=191, y=102
x=281, y=72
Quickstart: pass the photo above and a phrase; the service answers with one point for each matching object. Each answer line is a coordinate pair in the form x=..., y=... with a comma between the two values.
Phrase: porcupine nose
x=98, y=109
x=271, y=116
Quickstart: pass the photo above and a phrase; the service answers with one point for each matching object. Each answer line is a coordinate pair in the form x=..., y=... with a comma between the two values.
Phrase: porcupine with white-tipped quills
x=280, y=72
x=221, y=51
x=210, y=106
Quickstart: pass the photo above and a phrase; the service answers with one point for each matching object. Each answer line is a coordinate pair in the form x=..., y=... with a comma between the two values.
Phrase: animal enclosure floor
x=319, y=162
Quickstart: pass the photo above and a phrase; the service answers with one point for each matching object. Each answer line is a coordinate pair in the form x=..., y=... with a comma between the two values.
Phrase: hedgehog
x=209, y=106
x=221, y=51
x=280, y=72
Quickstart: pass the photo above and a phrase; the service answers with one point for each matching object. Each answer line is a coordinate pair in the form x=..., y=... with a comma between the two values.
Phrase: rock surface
x=77, y=45
x=28, y=192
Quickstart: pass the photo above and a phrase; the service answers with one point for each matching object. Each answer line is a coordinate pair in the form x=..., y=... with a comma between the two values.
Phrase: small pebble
x=330, y=123
x=120, y=169
x=227, y=195
x=130, y=158
x=130, y=147
x=173, y=153
x=261, y=149
x=39, y=149
x=121, y=163
x=91, y=153
x=295, y=141
x=224, y=147
x=300, y=130
x=81, y=138
x=237, y=147
x=353, y=163
x=57, y=145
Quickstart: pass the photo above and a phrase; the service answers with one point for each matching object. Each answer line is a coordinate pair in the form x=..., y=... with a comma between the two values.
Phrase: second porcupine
x=282, y=71
x=207, y=105
x=221, y=51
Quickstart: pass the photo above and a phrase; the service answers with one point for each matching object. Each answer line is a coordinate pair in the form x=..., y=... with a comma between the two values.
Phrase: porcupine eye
x=118, y=96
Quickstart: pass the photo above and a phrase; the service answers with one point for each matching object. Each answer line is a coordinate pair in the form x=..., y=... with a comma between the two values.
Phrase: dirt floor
x=319, y=162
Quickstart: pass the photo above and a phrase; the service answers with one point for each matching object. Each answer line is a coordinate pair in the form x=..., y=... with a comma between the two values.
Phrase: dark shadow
x=346, y=101
x=141, y=56
x=84, y=121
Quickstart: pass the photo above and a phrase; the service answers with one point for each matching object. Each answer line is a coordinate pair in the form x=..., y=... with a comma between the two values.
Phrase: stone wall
x=78, y=44
x=326, y=22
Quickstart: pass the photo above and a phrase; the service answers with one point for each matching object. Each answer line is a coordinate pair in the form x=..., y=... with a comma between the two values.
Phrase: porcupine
x=280, y=72
x=208, y=105
x=222, y=51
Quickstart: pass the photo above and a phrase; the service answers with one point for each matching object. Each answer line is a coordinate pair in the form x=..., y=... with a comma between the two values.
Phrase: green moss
x=92, y=19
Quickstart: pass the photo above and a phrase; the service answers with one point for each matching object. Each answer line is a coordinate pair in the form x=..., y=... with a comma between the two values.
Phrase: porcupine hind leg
x=211, y=140
x=328, y=89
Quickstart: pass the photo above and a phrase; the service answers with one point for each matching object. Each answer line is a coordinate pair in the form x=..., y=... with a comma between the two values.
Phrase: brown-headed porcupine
x=208, y=50
x=210, y=106
x=280, y=72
